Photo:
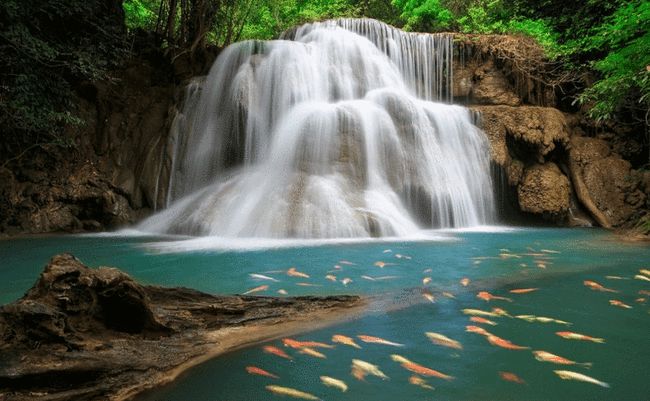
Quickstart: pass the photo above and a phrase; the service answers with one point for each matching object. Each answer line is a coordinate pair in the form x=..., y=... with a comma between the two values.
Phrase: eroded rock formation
x=95, y=334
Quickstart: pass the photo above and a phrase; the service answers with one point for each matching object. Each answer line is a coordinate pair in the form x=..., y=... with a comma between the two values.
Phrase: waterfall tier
x=334, y=133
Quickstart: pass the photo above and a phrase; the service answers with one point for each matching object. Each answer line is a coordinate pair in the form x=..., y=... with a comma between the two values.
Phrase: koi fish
x=477, y=330
x=640, y=277
x=486, y=296
x=549, y=251
x=291, y=392
x=256, y=289
x=399, y=359
x=358, y=374
x=263, y=277
x=523, y=290
x=341, y=339
x=616, y=278
x=448, y=294
x=429, y=270
x=541, y=319
x=478, y=312
x=505, y=255
x=597, y=287
x=503, y=343
x=569, y=375
x=541, y=265
x=477, y=319
x=269, y=349
x=336, y=383
x=367, y=369
x=346, y=281
x=288, y=342
x=464, y=281
x=346, y=262
x=424, y=371
x=368, y=278
x=641, y=300
x=331, y=277
x=308, y=285
x=295, y=273
x=377, y=340
x=399, y=256
x=544, y=356
x=511, y=377
x=618, y=303
x=385, y=277
x=501, y=312
x=381, y=264
x=282, y=292
x=444, y=341
x=426, y=280
x=576, y=336
x=429, y=297
x=387, y=251
x=254, y=370
x=645, y=272
x=420, y=382
x=311, y=352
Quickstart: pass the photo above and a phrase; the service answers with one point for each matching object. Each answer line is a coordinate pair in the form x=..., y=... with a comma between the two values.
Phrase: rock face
x=544, y=190
x=95, y=334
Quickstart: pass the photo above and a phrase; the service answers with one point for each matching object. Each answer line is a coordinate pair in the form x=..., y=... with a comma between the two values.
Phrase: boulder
x=545, y=191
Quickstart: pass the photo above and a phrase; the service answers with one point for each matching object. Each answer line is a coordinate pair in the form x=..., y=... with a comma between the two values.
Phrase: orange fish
x=464, y=282
x=358, y=374
x=377, y=340
x=269, y=349
x=311, y=352
x=486, y=296
x=522, y=290
x=511, y=377
x=597, y=287
x=482, y=320
x=308, y=285
x=424, y=371
x=257, y=371
x=544, y=356
x=381, y=264
x=257, y=289
x=500, y=312
x=618, y=303
x=295, y=273
x=288, y=342
x=477, y=330
x=341, y=339
x=420, y=382
x=576, y=336
x=500, y=342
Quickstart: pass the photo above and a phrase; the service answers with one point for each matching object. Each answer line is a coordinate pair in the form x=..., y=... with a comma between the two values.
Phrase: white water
x=328, y=135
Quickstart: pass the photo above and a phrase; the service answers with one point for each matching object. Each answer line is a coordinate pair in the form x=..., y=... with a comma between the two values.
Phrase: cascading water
x=333, y=133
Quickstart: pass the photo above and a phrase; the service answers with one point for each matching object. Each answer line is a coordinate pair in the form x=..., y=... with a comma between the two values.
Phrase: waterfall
x=337, y=130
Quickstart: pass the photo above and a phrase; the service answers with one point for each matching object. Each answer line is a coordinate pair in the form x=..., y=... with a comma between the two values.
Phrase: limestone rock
x=545, y=191
x=490, y=86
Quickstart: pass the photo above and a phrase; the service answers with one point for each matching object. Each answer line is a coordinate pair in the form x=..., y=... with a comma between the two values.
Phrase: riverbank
x=91, y=334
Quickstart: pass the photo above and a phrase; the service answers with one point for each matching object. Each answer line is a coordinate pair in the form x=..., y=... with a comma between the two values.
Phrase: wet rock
x=96, y=334
x=545, y=191
x=490, y=86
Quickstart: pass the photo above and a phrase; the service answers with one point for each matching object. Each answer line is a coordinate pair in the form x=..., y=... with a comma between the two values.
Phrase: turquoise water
x=554, y=260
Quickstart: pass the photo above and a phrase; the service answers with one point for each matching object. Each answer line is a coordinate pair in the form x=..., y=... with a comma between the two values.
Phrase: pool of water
x=556, y=261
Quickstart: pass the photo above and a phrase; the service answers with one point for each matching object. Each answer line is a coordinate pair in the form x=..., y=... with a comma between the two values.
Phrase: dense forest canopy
x=49, y=46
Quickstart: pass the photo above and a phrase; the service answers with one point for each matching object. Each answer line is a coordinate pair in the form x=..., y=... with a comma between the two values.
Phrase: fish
x=381, y=264
x=478, y=319
x=429, y=297
x=311, y=352
x=346, y=262
x=541, y=265
x=549, y=251
x=424, y=371
x=597, y=287
x=345, y=340
x=505, y=255
x=377, y=340
x=269, y=349
x=263, y=277
x=618, y=303
x=476, y=262
x=420, y=382
x=640, y=277
x=503, y=343
x=387, y=251
x=336, y=383
x=448, y=294
x=511, y=377
x=308, y=285
x=337, y=267
x=645, y=272
x=346, y=281
x=576, y=336
x=541, y=319
x=478, y=312
x=486, y=296
x=256, y=289
x=444, y=341
x=368, y=278
x=291, y=392
x=569, y=375
x=464, y=281
x=523, y=290
x=399, y=256
x=385, y=277
x=544, y=356
x=368, y=369
x=477, y=330
x=289, y=342
x=501, y=312
x=358, y=374
x=331, y=277
x=426, y=280
x=616, y=278
x=641, y=300
x=282, y=292
x=429, y=270
x=254, y=370
x=295, y=273
x=399, y=359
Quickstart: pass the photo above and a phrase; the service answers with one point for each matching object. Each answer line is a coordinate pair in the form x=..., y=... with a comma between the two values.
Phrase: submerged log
x=96, y=334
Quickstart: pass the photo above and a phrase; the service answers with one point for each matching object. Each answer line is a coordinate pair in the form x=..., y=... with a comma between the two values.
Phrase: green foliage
x=424, y=15
x=141, y=14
